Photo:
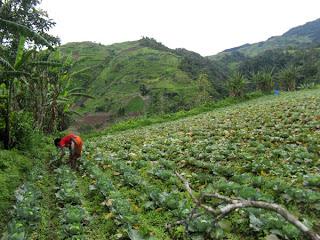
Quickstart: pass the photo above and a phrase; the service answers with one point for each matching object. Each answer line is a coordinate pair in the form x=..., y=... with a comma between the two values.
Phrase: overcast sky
x=203, y=26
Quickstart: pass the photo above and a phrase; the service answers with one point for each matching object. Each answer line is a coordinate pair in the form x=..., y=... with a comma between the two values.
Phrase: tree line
x=236, y=74
x=35, y=90
x=280, y=69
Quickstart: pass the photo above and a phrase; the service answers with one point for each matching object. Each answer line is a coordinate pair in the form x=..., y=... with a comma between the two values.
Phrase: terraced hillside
x=267, y=149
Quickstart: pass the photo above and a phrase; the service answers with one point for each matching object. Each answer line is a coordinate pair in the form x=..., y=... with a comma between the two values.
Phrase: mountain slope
x=146, y=77
x=139, y=77
x=302, y=36
x=309, y=30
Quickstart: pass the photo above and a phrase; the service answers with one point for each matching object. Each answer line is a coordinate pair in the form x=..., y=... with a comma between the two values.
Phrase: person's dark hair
x=57, y=141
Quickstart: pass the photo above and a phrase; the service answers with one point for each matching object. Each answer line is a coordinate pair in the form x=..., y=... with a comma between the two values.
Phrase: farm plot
x=265, y=150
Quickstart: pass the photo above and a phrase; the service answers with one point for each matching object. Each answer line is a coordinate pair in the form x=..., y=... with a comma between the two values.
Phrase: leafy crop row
x=266, y=150
x=26, y=213
x=72, y=215
x=118, y=206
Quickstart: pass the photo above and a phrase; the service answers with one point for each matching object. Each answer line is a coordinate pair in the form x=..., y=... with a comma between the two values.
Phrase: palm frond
x=82, y=70
x=47, y=63
x=76, y=90
x=17, y=73
x=60, y=102
x=60, y=98
x=19, y=54
x=6, y=63
x=5, y=4
x=27, y=32
x=27, y=55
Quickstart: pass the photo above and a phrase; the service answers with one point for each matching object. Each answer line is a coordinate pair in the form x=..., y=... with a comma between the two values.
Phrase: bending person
x=74, y=143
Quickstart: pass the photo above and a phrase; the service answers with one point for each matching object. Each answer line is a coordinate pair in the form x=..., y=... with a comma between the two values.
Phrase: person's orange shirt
x=66, y=142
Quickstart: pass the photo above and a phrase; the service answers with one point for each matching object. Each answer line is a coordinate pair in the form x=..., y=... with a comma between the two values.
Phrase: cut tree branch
x=235, y=203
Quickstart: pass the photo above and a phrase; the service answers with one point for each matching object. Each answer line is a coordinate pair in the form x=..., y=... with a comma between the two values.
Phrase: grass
x=48, y=207
x=135, y=105
x=14, y=167
x=18, y=167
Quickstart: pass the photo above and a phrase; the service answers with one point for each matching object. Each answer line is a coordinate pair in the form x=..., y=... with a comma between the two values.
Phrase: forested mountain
x=286, y=62
x=307, y=35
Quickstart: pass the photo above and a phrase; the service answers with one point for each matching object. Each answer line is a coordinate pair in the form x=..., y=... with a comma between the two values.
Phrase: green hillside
x=303, y=36
x=266, y=149
x=292, y=57
x=141, y=77
x=145, y=77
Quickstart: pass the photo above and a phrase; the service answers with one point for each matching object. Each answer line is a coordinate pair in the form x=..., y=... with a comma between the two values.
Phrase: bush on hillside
x=22, y=130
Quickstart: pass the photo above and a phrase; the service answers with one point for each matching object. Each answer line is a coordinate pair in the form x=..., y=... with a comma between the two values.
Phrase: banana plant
x=61, y=96
x=12, y=71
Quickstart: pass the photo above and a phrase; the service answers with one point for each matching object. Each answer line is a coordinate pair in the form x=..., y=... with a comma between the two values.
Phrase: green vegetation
x=146, y=77
x=13, y=169
x=299, y=37
x=265, y=149
x=173, y=111
x=142, y=121
x=120, y=71
x=19, y=167
x=141, y=77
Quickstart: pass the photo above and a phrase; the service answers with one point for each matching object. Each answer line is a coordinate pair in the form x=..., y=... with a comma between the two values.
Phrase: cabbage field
x=266, y=149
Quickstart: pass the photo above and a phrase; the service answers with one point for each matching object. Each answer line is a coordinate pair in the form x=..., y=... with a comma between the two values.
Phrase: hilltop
x=306, y=35
x=139, y=77
x=296, y=53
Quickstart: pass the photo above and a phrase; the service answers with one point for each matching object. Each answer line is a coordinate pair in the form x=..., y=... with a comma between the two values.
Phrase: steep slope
x=139, y=77
x=302, y=36
x=310, y=30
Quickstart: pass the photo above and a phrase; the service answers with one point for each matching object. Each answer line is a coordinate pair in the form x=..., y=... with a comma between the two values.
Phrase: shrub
x=22, y=130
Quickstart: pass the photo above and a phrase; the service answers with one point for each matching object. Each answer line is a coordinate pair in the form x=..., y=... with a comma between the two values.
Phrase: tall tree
x=21, y=23
x=49, y=93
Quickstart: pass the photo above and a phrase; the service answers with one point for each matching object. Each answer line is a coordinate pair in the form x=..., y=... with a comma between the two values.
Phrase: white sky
x=203, y=26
